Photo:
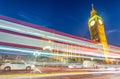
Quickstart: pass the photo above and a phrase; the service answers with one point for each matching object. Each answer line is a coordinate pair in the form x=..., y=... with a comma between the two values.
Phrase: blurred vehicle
x=17, y=66
x=89, y=64
x=85, y=64
x=75, y=66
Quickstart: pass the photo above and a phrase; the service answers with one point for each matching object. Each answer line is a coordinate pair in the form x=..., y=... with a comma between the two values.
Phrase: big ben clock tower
x=97, y=33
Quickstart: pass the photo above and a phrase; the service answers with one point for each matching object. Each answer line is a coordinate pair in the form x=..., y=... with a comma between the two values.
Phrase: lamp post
x=62, y=64
x=36, y=54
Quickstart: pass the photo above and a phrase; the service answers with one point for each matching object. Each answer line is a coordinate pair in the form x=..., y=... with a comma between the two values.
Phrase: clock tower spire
x=93, y=11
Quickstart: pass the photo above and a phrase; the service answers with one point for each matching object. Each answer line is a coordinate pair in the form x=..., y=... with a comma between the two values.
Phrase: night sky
x=68, y=16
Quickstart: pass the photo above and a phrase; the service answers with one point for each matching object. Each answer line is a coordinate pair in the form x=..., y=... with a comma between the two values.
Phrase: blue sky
x=68, y=16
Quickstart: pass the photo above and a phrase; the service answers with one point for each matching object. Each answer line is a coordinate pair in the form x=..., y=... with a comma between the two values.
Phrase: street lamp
x=36, y=54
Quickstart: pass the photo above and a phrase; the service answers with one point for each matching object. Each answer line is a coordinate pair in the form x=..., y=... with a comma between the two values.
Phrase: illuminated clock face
x=100, y=21
x=92, y=23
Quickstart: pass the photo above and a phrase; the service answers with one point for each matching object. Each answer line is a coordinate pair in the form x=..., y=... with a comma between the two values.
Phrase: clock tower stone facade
x=97, y=32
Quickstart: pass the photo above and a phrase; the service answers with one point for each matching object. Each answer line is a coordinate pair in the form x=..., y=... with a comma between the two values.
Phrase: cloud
x=112, y=31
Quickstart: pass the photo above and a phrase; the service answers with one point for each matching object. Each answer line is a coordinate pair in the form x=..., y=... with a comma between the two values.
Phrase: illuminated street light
x=36, y=54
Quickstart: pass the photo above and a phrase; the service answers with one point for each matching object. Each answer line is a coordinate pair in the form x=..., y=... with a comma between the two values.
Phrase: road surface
x=61, y=73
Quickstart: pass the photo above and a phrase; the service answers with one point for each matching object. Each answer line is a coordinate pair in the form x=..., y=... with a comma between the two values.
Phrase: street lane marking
x=56, y=74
